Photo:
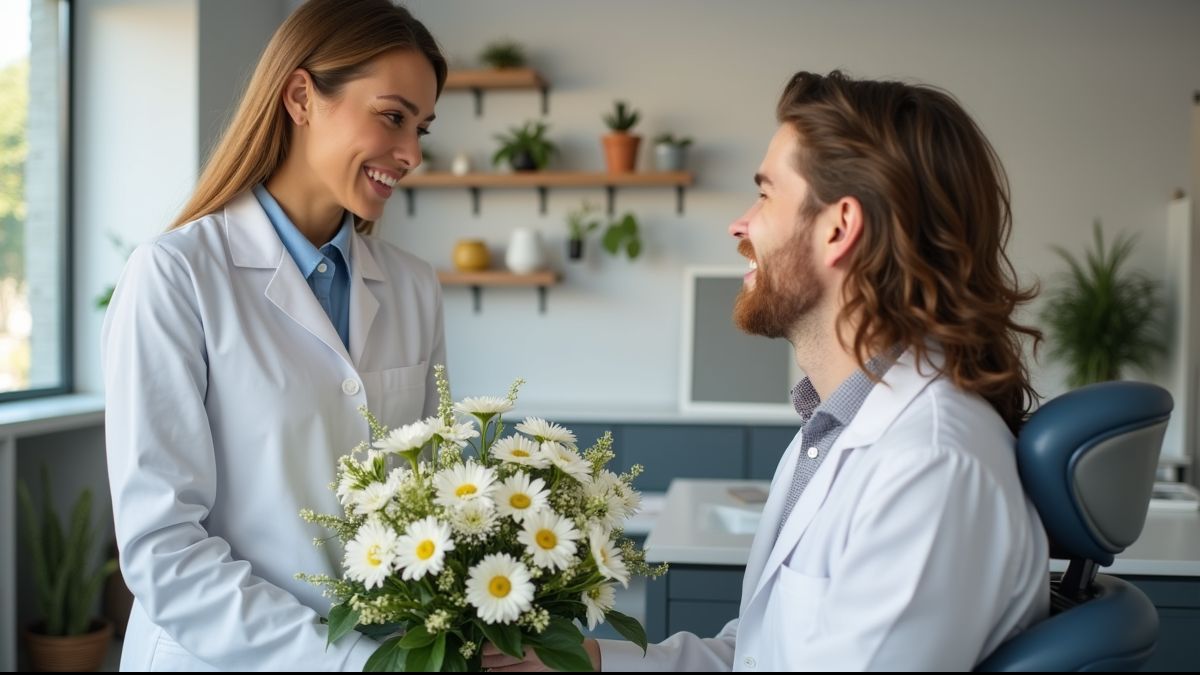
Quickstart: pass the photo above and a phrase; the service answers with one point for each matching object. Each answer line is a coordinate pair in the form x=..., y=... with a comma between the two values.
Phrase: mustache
x=746, y=249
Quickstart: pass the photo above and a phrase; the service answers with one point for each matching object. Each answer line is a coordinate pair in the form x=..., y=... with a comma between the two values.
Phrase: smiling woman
x=240, y=344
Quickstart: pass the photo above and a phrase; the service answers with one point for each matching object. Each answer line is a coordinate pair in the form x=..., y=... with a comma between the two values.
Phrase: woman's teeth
x=382, y=178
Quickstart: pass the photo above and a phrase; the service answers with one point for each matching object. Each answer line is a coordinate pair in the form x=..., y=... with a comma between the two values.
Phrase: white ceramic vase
x=525, y=254
x=461, y=165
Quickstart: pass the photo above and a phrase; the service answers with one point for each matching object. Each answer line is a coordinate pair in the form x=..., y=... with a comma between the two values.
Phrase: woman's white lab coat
x=913, y=547
x=229, y=399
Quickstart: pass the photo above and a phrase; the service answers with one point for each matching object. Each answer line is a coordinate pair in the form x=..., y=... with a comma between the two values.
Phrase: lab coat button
x=750, y=662
x=812, y=452
x=322, y=267
x=350, y=386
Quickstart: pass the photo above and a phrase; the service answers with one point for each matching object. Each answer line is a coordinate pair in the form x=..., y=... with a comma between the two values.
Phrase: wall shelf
x=543, y=180
x=476, y=281
x=480, y=80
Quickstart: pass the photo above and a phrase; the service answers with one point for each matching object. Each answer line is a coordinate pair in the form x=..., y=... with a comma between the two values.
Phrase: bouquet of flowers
x=455, y=534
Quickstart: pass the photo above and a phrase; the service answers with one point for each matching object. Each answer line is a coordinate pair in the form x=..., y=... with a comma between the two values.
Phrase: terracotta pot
x=69, y=653
x=620, y=151
x=471, y=255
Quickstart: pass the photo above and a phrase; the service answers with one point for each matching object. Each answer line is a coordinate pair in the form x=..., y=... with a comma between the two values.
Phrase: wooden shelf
x=499, y=278
x=543, y=180
x=480, y=80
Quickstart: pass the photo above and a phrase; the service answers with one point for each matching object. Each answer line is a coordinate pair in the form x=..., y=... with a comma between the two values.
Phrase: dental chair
x=1088, y=460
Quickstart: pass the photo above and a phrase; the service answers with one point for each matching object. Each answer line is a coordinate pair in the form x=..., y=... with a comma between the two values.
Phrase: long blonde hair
x=331, y=39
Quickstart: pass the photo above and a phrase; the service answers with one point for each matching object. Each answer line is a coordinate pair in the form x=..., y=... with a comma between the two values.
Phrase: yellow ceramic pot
x=471, y=255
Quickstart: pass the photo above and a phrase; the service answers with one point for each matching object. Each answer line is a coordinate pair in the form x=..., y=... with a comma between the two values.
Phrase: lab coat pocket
x=170, y=656
x=795, y=607
x=402, y=394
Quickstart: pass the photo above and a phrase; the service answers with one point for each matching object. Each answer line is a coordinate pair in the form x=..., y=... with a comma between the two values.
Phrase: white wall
x=134, y=141
x=1088, y=103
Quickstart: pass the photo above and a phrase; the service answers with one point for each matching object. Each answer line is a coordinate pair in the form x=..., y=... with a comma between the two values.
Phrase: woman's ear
x=297, y=96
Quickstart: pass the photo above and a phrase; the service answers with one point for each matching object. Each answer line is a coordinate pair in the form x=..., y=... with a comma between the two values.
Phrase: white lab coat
x=229, y=399
x=913, y=547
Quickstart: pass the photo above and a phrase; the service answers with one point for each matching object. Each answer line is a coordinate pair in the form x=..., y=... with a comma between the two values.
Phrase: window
x=34, y=244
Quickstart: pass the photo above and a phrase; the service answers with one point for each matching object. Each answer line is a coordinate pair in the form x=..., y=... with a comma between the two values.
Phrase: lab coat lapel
x=883, y=405
x=254, y=243
x=364, y=305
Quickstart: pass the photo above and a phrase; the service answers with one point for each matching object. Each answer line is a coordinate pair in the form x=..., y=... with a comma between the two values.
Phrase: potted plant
x=503, y=54
x=670, y=153
x=623, y=235
x=1102, y=317
x=525, y=148
x=580, y=224
x=69, y=637
x=620, y=146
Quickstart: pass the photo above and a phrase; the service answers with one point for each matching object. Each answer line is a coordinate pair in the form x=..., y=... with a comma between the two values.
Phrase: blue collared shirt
x=327, y=270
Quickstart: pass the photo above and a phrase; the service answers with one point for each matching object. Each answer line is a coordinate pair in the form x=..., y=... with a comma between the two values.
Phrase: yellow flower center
x=603, y=555
x=517, y=452
x=373, y=556
x=519, y=501
x=546, y=539
x=426, y=549
x=464, y=490
x=499, y=587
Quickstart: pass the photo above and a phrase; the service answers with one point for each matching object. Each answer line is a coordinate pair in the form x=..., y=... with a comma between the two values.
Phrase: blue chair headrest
x=1088, y=460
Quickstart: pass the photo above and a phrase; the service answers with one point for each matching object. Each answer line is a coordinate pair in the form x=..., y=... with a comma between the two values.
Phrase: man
x=897, y=535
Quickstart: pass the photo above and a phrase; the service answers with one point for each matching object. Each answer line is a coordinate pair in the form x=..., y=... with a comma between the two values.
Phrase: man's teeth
x=382, y=178
x=753, y=264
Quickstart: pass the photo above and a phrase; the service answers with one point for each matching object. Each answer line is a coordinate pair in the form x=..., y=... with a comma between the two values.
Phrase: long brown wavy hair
x=930, y=264
x=333, y=40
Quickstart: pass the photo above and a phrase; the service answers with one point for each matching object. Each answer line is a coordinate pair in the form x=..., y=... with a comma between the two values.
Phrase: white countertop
x=694, y=529
x=616, y=414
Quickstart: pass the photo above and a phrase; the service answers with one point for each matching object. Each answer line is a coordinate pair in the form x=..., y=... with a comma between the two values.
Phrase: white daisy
x=347, y=490
x=549, y=538
x=613, y=497
x=475, y=519
x=500, y=589
x=458, y=434
x=608, y=559
x=520, y=450
x=422, y=549
x=463, y=483
x=374, y=497
x=536, y=427
x=519, y=496
x=371, y=554
x=408, y=437
x=567, y=460
x=599, y=600
x=482, y=406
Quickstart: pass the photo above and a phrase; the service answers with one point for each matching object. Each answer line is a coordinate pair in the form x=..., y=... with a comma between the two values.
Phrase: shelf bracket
x=612, y=198
x=474, y=201
x=541, y=299
x=410, y=200
x=679, y=199
x=542, y=199
x=477, y=298
x=478, y=101
x=545, y=100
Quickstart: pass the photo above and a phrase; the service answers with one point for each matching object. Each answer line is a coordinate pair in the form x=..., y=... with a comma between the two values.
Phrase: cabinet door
x=682, y=451
x=705, y=619
x=767, y=445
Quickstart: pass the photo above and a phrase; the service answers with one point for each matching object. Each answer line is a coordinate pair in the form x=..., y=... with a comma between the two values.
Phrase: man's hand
x=495, y=660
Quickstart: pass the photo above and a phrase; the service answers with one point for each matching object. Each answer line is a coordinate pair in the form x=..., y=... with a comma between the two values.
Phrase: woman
x=241, y=343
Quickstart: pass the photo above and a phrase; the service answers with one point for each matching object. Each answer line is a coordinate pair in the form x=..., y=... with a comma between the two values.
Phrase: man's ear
x=843, y=230
x=297, y=96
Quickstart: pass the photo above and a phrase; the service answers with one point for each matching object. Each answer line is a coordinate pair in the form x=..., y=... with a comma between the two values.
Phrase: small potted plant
x=580, y=223
x=670, y=153
x=1103, y=318
x=621, y=146
x=525, y=148
x=622, y=235
x=503, y=54
x=68, y=637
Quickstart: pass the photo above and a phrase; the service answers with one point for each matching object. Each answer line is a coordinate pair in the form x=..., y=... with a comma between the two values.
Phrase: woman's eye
x=395, y=118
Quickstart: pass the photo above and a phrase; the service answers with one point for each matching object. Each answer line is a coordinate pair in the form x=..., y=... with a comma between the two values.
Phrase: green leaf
x=427, y=659
x=628, y=627
x=380, y=631
x=389, y=658
x=506, y=637
x=454, y=662
x=342, y=620
x=634, y=248
x=560, y=647
x=612, y=239
x=416, y=637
